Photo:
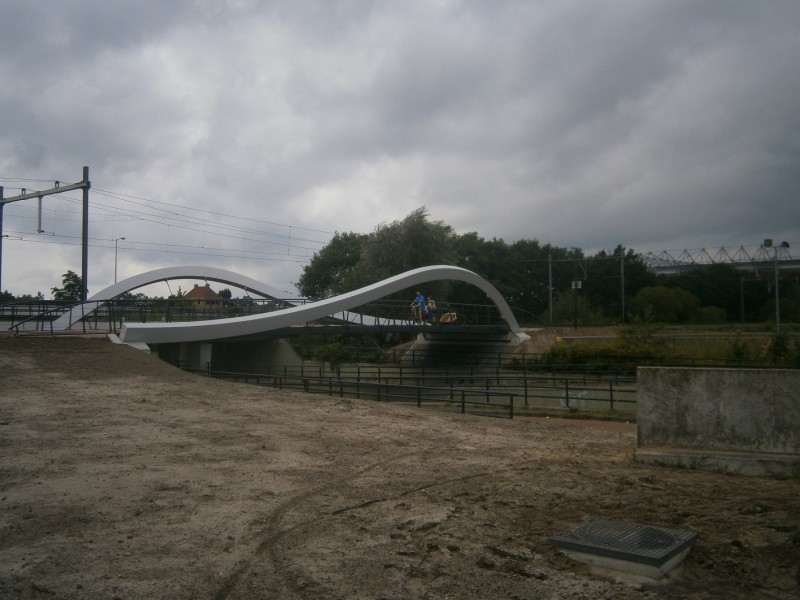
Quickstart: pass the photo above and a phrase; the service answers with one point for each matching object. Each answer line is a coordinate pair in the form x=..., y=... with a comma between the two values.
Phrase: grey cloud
x=574, y=123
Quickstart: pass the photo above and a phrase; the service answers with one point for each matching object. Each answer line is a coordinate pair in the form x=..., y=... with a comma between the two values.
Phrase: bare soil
x=123, y=477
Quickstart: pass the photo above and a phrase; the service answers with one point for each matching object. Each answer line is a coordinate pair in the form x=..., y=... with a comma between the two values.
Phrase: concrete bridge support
x=230, y=356
x=196, y=356
x=272, y=352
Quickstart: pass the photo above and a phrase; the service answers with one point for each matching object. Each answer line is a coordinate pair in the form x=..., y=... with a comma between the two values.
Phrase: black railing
x=524, y=392
x=112, y=313
x=491, y=403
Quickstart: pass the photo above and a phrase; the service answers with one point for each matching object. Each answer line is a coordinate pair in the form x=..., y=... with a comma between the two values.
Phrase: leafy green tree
x=331, y=271
x=491, y=259
x=715, y=285
x=520, y=271
x=404, y=245
x=30, y=298
x=662, y=304
x=71, y=289
x=567, y=308
x=604, y=276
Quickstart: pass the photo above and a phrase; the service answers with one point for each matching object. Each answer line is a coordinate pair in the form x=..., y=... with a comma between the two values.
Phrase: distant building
x=204, y=298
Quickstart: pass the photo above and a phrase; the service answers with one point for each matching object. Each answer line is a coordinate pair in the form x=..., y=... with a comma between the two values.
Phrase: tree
x=491, y=259
x=604, y=273
x=715, y=285
x=352, y=260
x=567, y=309
x=662, y=304
x=404, y=245
x=72, y=288
x=331, y=270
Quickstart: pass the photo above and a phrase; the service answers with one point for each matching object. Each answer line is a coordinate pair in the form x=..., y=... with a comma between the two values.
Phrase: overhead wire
x=65, y=240
x=187, y=222
x=211, y=212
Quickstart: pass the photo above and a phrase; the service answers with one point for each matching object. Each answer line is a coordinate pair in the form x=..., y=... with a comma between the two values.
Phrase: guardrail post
x=511, y=407
x=419, y=397
x=525, y=384
x=611, y=394
x=305, y=384
x=566, y=391
x=463, y=403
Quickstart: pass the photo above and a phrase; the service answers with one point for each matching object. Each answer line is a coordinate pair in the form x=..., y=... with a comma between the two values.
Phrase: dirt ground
x=123, y=477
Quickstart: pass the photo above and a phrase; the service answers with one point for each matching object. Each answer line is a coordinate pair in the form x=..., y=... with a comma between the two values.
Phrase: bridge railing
x=17, y=313
x=385, y=312
x=111, y=314
x=50, y=316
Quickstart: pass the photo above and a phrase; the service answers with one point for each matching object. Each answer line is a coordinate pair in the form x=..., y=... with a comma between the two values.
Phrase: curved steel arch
x=197, y=331
x=191, y=272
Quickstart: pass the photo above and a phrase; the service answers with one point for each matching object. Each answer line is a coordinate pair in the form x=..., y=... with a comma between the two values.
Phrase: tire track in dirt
x=271, y=537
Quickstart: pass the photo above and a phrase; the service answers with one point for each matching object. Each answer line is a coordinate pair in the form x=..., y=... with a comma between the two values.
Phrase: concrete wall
x=275, y=352
x=253, y=355
x=737, y=420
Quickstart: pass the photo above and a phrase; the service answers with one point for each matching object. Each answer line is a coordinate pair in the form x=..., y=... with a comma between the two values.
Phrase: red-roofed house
x=204, y=297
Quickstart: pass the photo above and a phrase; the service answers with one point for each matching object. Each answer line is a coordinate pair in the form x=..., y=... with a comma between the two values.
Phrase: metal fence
x=473, y=391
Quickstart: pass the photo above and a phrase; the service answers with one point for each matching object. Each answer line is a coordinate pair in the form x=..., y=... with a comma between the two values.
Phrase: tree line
x=539, y=280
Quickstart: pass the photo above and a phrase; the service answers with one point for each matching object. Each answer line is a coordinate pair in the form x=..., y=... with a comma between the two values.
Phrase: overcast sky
x=242, y=134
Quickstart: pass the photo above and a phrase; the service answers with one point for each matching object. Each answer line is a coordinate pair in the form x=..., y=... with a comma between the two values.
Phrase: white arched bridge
x=298, y=312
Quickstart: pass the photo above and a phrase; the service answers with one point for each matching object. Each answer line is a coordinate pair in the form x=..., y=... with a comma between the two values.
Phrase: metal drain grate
x=626, y=541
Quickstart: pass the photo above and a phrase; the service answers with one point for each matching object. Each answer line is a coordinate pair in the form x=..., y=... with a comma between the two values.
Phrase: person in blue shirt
x=418, y=307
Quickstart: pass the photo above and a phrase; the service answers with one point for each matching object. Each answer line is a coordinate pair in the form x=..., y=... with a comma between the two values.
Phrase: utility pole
x=116, y=242
x=2, y=205
x=550, y=285
x=85, y=239
x=576, y=285
x=776, y=247
x=58, y=189
x=622, y=279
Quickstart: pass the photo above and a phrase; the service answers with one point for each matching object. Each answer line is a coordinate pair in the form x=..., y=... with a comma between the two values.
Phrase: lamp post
x=775, y=248
x=116, y=242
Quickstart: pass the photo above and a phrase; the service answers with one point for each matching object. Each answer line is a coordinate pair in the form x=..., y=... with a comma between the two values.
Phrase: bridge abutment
x=272, y=352
x=230, y=356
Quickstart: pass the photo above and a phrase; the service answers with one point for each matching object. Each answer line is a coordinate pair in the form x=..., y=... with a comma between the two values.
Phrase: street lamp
x=775, y=248
x=116, y=241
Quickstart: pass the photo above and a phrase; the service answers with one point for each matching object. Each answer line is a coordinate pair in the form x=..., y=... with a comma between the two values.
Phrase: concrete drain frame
x=627, y=550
